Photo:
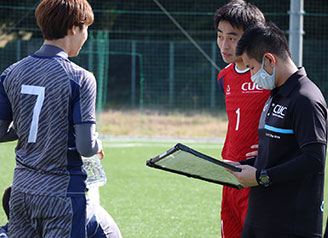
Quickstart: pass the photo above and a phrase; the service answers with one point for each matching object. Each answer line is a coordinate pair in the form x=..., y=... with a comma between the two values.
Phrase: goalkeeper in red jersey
x=244, y=103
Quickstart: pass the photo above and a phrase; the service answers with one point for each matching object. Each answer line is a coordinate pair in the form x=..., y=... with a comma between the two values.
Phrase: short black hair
x=239, y=14
x=5, y=201
x=263, y=38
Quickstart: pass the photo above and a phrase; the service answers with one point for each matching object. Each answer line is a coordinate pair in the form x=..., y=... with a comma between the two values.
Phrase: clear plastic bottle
x=95, y=171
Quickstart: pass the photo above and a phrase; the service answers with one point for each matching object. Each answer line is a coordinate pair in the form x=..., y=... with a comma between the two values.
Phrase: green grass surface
x=146, y=202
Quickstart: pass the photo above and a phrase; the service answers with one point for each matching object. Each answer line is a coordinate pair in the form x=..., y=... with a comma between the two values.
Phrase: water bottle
x=95, y=171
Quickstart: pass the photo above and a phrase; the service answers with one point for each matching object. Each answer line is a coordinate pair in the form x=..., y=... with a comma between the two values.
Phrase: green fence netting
x=144, y=59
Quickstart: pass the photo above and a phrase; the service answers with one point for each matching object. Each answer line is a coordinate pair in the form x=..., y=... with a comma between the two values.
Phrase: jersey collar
x=238, y=71
x=51, y=51
x=290, y=84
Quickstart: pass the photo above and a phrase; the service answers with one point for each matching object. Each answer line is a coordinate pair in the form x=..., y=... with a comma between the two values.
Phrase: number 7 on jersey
x=38, y=91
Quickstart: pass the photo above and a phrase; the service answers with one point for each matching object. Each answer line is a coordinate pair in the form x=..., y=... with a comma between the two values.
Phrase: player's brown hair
x=56, y=17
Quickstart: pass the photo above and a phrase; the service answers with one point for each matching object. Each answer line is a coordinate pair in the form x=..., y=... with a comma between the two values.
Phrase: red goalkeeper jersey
x=244, y=103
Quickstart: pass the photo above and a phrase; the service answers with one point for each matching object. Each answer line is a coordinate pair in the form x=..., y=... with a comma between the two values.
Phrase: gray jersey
x=46, y=95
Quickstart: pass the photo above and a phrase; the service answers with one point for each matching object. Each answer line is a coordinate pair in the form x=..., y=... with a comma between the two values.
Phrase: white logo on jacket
x=279, y=111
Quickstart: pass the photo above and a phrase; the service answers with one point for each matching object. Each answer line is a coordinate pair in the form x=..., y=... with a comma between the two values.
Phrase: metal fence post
x=90, y=52
x=213, y=75
x=133, y=72
x=171, y=73
x=106, y=66
x=18, y=50
x=296, y=30
x=100, y=70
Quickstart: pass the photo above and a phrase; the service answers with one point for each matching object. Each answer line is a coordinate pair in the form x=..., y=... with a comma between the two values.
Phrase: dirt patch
x=152, y=123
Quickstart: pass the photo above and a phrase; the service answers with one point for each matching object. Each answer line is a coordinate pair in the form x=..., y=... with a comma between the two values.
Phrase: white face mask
x=263, y=79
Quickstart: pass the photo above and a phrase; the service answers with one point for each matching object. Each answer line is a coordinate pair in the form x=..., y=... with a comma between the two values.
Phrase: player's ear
x=270, y=58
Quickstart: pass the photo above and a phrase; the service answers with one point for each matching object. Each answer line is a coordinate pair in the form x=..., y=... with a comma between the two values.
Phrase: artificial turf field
x=145, y=202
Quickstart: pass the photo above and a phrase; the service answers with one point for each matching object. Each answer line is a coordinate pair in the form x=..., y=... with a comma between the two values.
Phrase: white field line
x=126, y=142
x=130, y=141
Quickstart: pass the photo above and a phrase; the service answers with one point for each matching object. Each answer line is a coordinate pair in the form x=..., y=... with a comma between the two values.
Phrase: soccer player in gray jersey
x=48, y=103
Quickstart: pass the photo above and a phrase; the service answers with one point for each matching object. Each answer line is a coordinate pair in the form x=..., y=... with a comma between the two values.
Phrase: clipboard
x=183, y=160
